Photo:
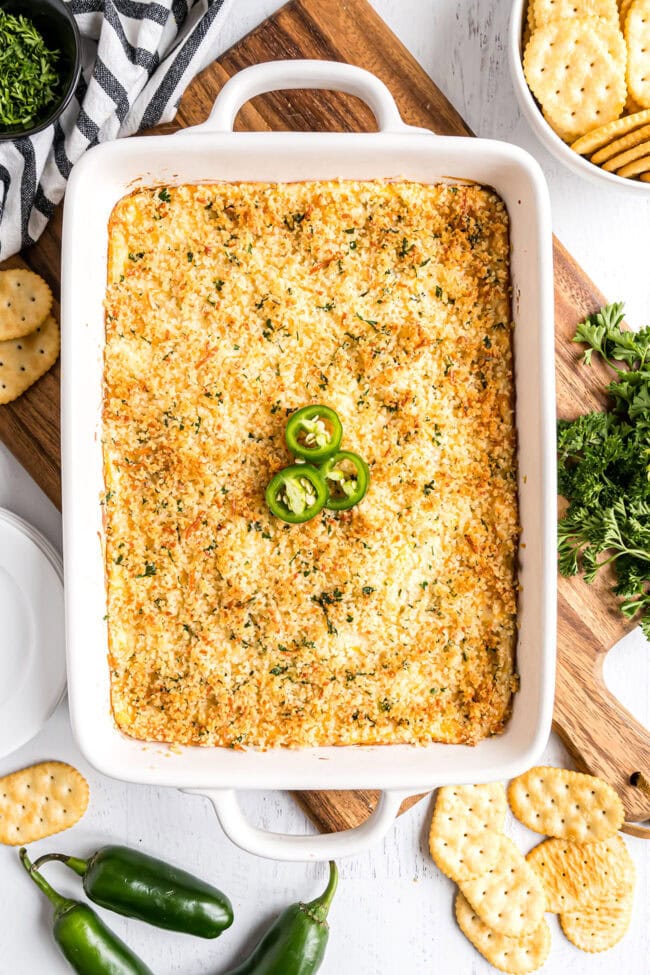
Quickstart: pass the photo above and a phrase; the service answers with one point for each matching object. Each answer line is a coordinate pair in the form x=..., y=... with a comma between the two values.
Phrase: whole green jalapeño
x=314, y=433
x=347, y=478
x=296, y=494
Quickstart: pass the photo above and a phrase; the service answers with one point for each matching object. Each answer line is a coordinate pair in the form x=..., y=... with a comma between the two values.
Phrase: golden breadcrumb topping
x=228, y=307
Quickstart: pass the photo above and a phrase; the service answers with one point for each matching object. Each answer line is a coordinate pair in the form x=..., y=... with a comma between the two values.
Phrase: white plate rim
x=36, y=714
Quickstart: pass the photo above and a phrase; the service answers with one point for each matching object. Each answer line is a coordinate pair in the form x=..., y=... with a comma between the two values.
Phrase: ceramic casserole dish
x=213, y=152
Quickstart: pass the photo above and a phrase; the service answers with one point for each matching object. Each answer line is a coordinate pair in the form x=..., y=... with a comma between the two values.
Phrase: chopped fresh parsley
x=369, y=321
x=29, y=83
x=404, y=248
x=327, y=599
x=149, y=570
x=294, y=220
x=164, y=195
x=604, y=468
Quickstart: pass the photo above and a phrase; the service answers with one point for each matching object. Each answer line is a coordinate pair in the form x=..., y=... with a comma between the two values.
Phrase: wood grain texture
x=337, y=809
x=30, y=425
x=603, y=737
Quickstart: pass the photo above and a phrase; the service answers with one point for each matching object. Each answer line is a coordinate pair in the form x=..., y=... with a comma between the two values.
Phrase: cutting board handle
x=281, y=75
x=282, y=846
x=605, y=739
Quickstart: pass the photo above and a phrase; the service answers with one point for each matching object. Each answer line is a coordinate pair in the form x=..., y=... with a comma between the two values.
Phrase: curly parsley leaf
x=604, y=469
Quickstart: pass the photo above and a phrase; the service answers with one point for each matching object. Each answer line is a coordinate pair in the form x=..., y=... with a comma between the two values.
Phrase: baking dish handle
x=319, y=846
x=281, y=75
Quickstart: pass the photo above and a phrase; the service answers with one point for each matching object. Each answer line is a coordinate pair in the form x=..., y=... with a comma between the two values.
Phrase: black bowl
x=55, y=22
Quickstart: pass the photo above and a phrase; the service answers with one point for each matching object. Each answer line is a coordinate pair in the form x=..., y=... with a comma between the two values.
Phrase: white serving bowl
x=550, y=139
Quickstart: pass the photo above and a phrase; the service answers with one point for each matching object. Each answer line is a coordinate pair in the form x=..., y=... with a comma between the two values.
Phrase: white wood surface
x=393, y=913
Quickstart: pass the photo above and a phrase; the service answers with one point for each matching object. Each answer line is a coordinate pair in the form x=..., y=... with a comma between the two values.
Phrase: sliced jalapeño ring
x=347, y=477
x=296, y=493
x=314, y=433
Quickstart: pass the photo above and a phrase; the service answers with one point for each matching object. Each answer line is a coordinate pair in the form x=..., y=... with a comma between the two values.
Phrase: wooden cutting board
x=602, y=735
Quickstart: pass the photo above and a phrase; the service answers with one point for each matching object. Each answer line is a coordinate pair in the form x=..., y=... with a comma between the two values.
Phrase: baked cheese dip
x=230, y=306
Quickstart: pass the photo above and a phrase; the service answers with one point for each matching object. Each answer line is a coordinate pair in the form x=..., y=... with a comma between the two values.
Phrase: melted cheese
x=228, y=307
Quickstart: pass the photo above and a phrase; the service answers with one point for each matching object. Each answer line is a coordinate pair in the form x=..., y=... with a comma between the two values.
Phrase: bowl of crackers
x=581, y=71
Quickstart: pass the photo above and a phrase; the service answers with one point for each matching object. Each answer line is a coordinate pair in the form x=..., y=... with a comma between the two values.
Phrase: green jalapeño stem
x=314, y=433
x=296, y=493
x=347, y=478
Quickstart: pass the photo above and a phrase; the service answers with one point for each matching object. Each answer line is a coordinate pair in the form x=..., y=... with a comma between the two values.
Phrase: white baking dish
x=212, y=152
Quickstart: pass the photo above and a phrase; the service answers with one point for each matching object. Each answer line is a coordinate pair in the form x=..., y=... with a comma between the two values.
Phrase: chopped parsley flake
x=149, y=570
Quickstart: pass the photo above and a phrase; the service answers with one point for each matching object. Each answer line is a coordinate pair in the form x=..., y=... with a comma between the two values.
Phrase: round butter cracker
x=462, y=855
x=466, y=829
x=39, y=801
x=602, y=925
x=25, y=302
x=512, y=955
x=575, y=67
x=637, y=36
x=476, y=807
x=562, y=803
x=547, y=10
x=576, y=875
x=508, y=897
x=619, y=146
x=635, y=168
x=616, y=163
x=605, y=134
x=26, y=359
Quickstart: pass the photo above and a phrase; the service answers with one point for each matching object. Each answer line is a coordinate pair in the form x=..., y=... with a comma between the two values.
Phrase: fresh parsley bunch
x=604, y=468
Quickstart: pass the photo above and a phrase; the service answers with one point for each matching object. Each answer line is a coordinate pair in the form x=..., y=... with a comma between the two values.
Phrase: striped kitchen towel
x=138, y=58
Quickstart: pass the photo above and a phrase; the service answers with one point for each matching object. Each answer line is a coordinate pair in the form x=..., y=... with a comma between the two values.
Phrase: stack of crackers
x=29, y=335
x=584, y=872
x=587, y=62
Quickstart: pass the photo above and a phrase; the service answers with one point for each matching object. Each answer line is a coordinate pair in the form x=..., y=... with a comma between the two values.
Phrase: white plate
x=32, y=634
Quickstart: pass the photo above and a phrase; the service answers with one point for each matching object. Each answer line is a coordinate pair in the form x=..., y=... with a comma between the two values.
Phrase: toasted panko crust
x=231, y=305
